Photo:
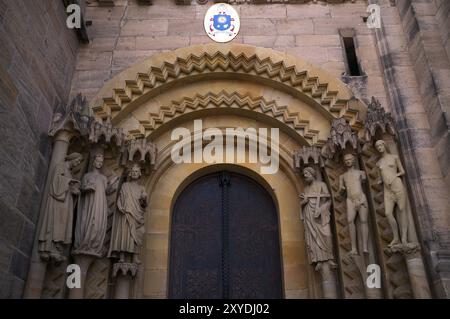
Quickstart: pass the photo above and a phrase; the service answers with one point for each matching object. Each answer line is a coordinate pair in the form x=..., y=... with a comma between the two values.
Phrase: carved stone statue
x=351, y=183
x=90, y=230
x=56, y=230
x=391, y=169
x=316, y=202
x=128, y=226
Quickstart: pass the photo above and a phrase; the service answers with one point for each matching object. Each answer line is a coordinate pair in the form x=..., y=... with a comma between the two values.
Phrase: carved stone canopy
x=341, y=139
x=107, y=131
x=140, y=147
x=377, y=120
x=76, y=118
x=73, y=117
x=308, y=155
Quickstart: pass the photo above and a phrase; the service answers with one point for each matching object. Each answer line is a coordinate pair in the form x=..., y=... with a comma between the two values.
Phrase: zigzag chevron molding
x=228, y=64
x=227, y=100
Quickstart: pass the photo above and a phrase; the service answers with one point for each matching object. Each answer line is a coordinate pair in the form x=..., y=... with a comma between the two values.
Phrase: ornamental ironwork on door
x=225, y=240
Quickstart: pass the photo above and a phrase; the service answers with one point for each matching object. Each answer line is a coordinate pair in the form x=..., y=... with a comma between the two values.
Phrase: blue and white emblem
x=222, y=22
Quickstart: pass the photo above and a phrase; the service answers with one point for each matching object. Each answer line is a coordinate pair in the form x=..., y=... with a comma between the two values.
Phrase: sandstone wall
x=37, y=57
x=128, y=33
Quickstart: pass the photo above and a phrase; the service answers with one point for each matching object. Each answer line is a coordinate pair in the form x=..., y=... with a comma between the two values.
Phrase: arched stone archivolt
x=226, y=86
x=223, y=99
x=166, y=180
x=231, y=86
x=238, y=62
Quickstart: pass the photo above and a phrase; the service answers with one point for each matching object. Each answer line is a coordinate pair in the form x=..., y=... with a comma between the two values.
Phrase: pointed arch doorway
x=225, y=240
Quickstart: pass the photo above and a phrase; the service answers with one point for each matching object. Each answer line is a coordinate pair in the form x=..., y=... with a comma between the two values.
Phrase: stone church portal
x=321, y=162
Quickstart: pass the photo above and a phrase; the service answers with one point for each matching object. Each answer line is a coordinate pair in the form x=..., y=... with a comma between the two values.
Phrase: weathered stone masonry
x=406, y=66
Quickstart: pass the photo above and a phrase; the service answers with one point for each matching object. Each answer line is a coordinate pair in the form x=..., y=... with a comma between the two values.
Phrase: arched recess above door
x=236, y=62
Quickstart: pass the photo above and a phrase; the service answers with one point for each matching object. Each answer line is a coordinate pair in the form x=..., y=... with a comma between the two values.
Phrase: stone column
x=417, y=275
x=361, y=262
x=124, y=274
x=416, y=269
x=36, y=272
x=329, y=283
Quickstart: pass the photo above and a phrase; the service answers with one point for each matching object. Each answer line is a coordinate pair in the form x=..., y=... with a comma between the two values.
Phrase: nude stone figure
x=391, y=170
x=351, y=183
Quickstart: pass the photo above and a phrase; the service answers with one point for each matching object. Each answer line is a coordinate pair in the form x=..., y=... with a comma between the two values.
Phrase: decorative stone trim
x=341, y=136
x=308, y=155
x=125, y=269
x=142, y=147
x=107, y=131
x=76, y=120
x=75, y=117
x=377, y=119
x=238, y=62
x=231, y=100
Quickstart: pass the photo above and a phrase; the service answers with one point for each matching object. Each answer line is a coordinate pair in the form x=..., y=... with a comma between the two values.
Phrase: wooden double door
x=225, y=240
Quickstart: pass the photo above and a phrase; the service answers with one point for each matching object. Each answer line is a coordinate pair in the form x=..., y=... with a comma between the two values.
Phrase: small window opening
x=352, y=59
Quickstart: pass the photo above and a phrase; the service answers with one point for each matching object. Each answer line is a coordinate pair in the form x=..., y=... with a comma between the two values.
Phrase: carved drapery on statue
x=330, y=208
x=316, y=217
x=56, y=230
x=128, y=225
x=370, y=206
x=96, y=196
x=90, y=229
x=128, y=231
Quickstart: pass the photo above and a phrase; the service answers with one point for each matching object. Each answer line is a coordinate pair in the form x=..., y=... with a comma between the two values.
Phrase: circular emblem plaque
x=222, y=22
